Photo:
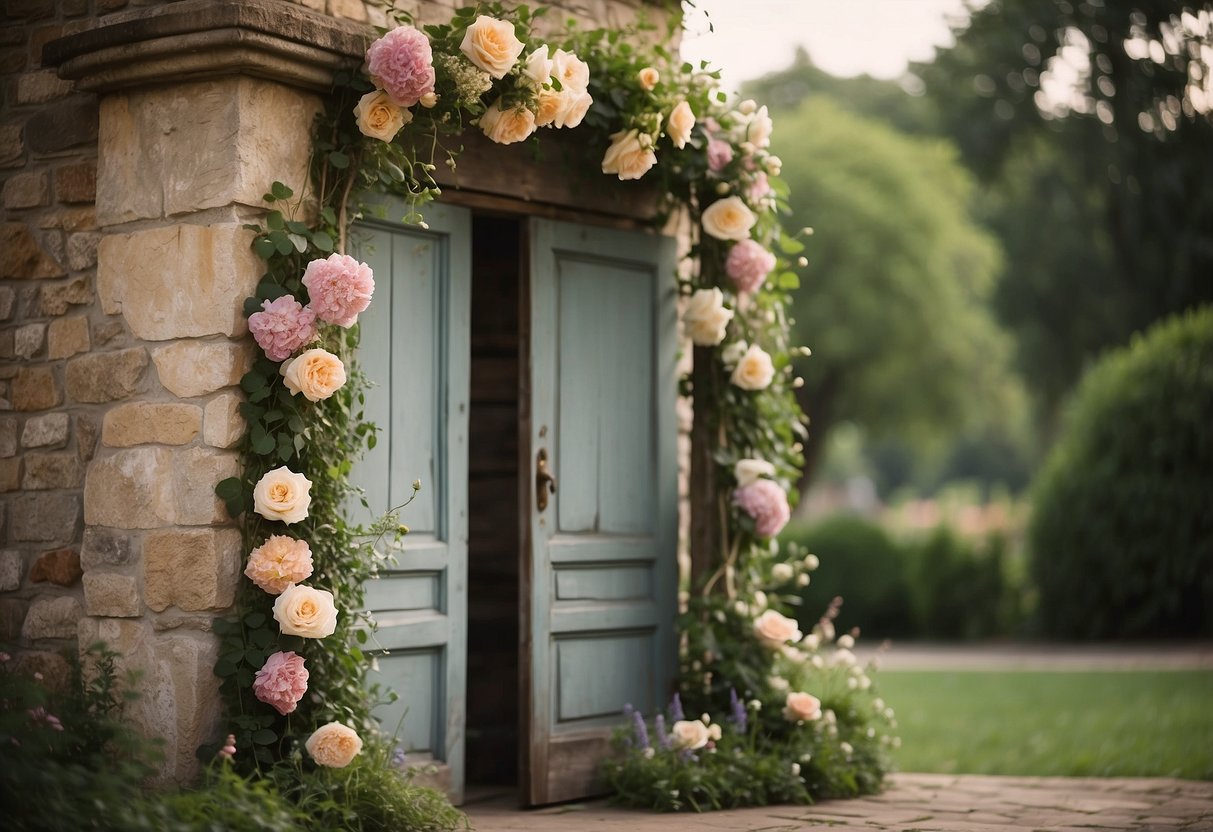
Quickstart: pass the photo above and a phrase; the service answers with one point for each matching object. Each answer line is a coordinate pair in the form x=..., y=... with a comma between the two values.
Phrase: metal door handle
x=545, y=481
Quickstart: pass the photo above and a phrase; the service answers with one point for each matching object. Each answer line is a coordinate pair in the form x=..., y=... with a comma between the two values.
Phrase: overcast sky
x=844, y=37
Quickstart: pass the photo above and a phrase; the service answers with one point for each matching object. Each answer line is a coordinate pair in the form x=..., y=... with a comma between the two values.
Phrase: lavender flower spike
x=663, y=739
x=738, y=709
x=638, y=727
x=676, y=713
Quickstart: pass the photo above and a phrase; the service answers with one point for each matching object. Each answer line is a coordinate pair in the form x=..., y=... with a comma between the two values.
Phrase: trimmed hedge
x=1121, y=536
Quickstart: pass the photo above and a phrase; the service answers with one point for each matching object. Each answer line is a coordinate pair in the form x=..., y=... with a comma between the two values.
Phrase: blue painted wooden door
x=414, y=350
x=600, y=566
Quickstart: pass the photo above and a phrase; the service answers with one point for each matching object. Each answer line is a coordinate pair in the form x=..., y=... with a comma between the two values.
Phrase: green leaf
x=790, y=245
x=281, y=191
x=252, y=381
x=275, y=220
x=284, y=244
x=339, y=160
x=299, y=242
x=322, y=241
x=229, y=489
x=251, y=306
x=265, y=737
x=789, y=280
x=254, y=619
x=296, y=227
x=264, y=247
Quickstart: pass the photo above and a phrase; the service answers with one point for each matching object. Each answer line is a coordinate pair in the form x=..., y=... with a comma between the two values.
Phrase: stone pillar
x=203, y=104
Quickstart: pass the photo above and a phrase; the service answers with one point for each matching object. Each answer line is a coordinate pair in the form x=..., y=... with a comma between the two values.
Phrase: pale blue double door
x=598, y=565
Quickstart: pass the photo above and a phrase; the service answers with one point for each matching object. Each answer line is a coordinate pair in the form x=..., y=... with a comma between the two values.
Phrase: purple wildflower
x=738, y=708
x=399, y=758
x=676, y=714
x=641, y=732
x=663, y=739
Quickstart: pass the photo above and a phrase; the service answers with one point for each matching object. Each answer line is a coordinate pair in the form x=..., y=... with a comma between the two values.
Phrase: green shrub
x=1122, y=530
x=959, y=590
x=864, y=565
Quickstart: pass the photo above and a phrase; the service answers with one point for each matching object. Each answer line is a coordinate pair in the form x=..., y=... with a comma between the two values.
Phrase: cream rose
x=648, y=77
x=782, y=572
x=748, y=471
x=572, y=72
x=630, y=155
x=282, y=495
x=551, y=104
x=334, y=745
x=378, y=117
x=754, y=371
x=577, y=104
x=802, y=707
x=733, y=353
x=689, y=734
x=304, y=611
x=706, y=317
x=491, y=45
x=316, y=373
x=680, y=124
x=729, y=219
x=758, y=128
x=774, y=630
x=537, y=70
x=507, y=126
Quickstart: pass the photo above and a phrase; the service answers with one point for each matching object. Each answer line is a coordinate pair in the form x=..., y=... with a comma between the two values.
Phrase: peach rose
x=577, y=104
x=537, y=70
x=728, y=219
x=282, y=495
x=279, y=562
x=689, y=734
x=630, y=155
x=648, y=77
x=315, y=373
x=306, y=612
x=491, y=45
x=754, y=371
x=573, y=73
x=801, y=707
x=706, y=317
x=682, y=121
x=775, y=630
x=334, y=745
x=507, y=126
x=378, y=117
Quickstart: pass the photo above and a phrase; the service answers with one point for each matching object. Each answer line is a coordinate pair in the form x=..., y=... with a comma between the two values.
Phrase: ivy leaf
x=283, y=243
x=264, y=247
x=281, y=191
x=275, y=220
x=254, y=619
x=228, y=489
x=339, y=160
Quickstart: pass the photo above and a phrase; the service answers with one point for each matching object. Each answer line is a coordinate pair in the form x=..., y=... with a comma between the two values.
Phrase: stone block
x=144, y=423
x=87, y=434
x=57, y=299
x=195, y=368
x=70, y=219
x=178, y=281
x=8, y=438
x=28, y=340
x=198, y=471
x=111, y=595
x=348, y=9
x=7, y=299
x=12, y=568
x=63, y=125
x=29, y=9
x=222, y=424
x=45, y=518
x=82, y=250
x=7, y=346
x=76, y=183
x=104, y=547
x=40, y=37
x=41, y=86
x=105, y=376
x=132, y=489
x=67, y=337
x=35, y=388
x=107, y=331
x=44, y=472
x=12, y=148
x=160, y=142
x=10, y=475
x=48, y=431
x=60, y=567
x=52, y=669
x=26, y=190
x=22, y=258
x=12, y=615
x=191, y=569
x=52, y=618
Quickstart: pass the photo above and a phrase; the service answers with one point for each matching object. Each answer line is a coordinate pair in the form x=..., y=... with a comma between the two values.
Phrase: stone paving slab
x=911, y=803
x=909, y=655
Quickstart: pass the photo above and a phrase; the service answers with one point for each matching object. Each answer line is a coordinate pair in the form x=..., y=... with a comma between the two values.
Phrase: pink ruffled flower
x=766, y=502
x=282, y=327
x=759, y=188
x=279, y=562
x=339, y=287
x=281, y=681
x=401, y=63
x=748, y=265
x=720, y=153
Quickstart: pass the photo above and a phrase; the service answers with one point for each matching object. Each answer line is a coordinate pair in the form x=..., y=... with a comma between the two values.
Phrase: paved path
x=919, y=802
x=1026, y=656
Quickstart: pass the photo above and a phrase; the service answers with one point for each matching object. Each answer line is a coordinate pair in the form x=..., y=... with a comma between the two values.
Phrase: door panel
x=414, y=351
x=600, y=563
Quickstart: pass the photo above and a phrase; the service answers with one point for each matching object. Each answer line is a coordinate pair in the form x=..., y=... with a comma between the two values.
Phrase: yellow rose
x=282, y=495
x=682, y=121
x=306, y=612
x=334, y=745
x=316, y=373
x=801, y=707
x=706, y=317
x=648, y=77
x=378, y=117
x=774, y=630
x=491, y=45
x=754, y=371
x=507, y=126
x=728, y=219
x=573, y=73
x=630, y=155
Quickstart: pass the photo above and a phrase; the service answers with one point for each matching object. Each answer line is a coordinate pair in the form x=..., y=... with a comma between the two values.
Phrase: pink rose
x=720, y=153
x=764, y=501
x=759, y=188
x=279, y=562
x=339, y=287
x=281, y=681
x=282, y=327
x=748, y=265
x=401, y=63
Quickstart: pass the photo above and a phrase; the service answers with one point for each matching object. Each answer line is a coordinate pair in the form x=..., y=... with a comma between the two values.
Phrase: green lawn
x=1046, y=723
